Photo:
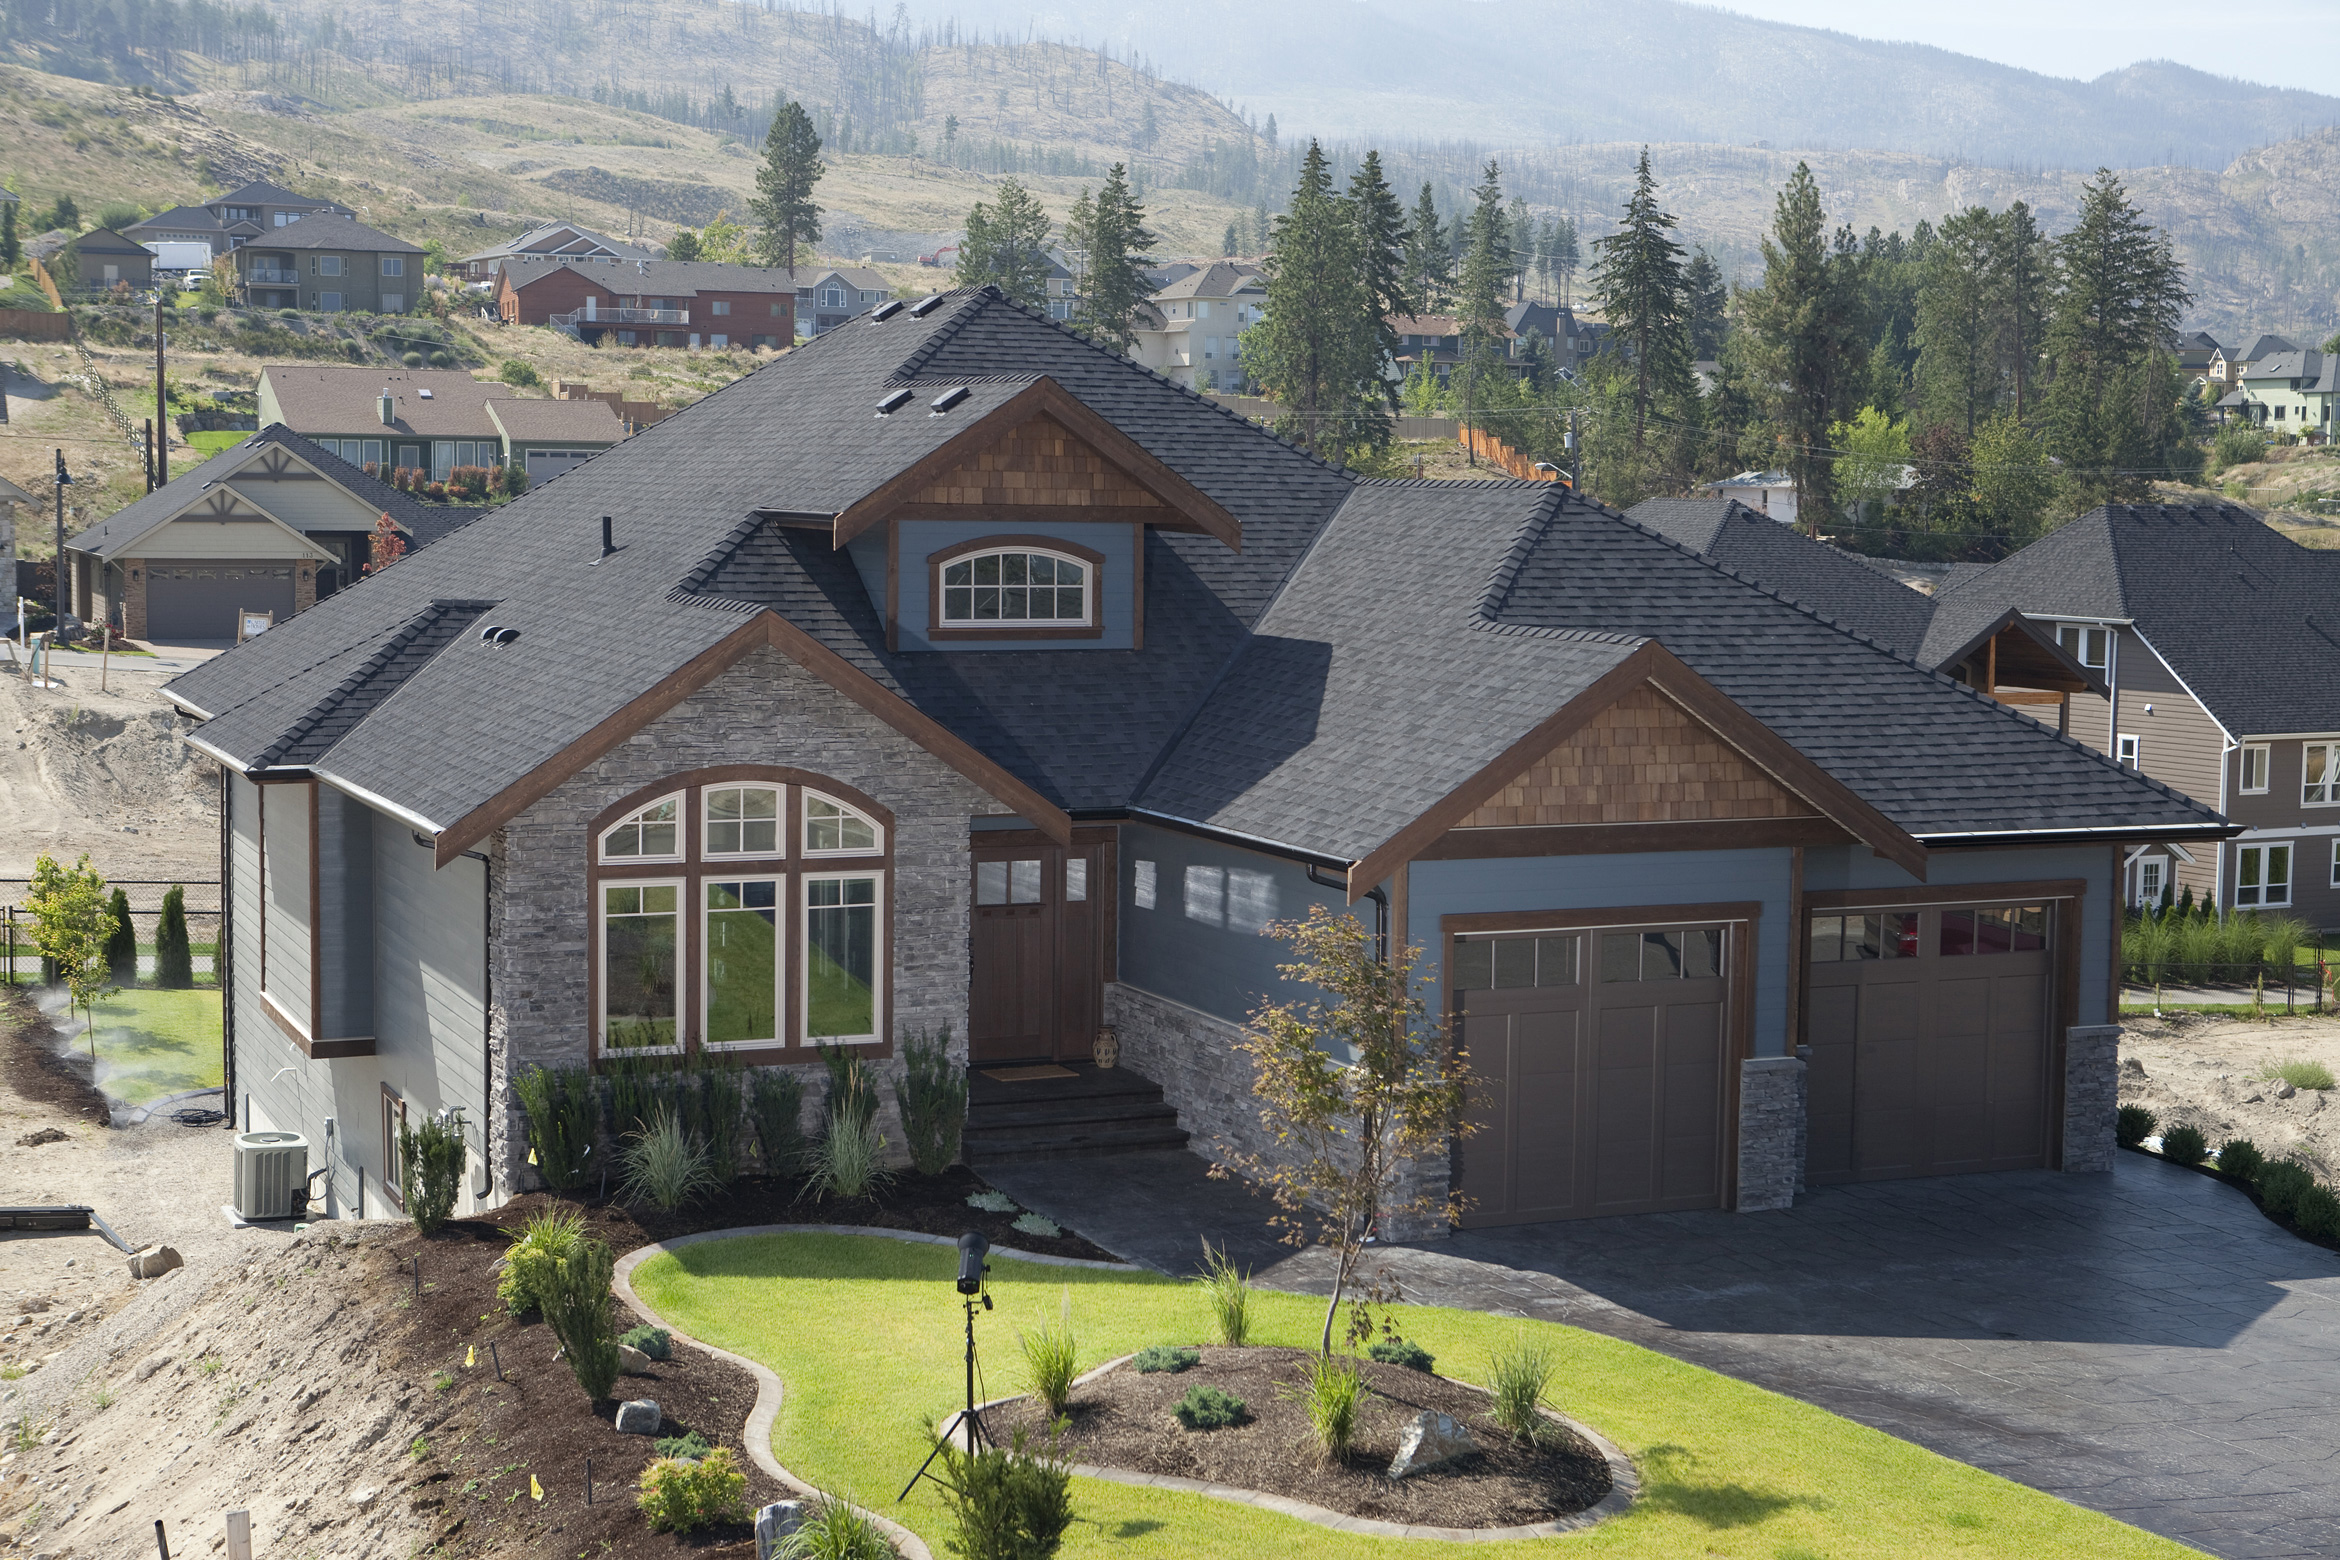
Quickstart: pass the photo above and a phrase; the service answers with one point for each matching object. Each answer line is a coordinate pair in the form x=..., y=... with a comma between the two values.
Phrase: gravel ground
x=2204, y=1072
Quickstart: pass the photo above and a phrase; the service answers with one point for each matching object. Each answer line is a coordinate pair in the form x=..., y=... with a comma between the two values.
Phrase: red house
x=652, y=303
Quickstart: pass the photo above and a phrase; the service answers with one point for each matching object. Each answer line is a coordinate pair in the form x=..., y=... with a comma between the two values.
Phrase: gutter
x=407, y=816
x=2221, y=831
x=1232, y=837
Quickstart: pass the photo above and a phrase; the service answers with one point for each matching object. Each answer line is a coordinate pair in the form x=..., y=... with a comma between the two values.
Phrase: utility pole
x=57, y=570
x=162, y=403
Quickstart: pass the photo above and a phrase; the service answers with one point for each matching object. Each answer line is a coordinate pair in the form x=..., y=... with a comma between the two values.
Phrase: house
x=259, y=209
x=1016, y=690
x=2229, y=367
x=646, y=303
x=434, y=420
x=329, y=264
x=1191, y=330
x=835, y=295
x=2291, y=392
x=2196, y=351
x=182, y=225
x=108, y=259
x=1435, y=336
x=272, y=525
x=1573, y=343
x=554, y=240
x=1771, y=492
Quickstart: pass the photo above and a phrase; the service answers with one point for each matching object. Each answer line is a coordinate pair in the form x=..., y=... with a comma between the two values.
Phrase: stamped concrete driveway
x=2143, y=1343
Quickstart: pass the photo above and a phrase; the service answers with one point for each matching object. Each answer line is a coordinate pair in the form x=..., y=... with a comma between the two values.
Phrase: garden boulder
x=775, y=1525
x=154, y=1262
x=632, y=1361
x=639, y=1416
x=1428, y=1440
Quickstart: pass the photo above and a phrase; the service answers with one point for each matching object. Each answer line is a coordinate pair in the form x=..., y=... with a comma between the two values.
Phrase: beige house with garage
x=433, y=420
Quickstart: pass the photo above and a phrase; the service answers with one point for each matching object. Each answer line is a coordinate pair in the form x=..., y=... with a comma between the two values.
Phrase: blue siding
x=1199, y=940
x=922, y=538
x=1521, y=883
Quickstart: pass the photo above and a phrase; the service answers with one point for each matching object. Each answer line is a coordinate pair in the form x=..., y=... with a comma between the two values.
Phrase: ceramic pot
x=1107, y=1049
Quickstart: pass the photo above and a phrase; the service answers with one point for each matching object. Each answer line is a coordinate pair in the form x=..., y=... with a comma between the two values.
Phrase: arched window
x=1012, y=586
x=763, y=928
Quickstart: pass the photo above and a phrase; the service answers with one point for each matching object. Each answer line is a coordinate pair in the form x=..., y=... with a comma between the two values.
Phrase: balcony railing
x=624, y=317
x=259, y=276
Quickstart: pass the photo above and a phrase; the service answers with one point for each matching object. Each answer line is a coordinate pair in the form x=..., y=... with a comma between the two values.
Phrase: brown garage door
x=1929, y=1034
x=200, y=600
x=1599, y=1055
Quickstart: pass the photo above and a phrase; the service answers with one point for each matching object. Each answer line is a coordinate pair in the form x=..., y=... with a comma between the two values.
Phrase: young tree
x=1637, y=279
x=1707, y=302
x=784, y=187
x=385, y=546
x=2012, y=482
x=1875, y=454
x=1958, y=322
x=1312, y=351
x=1115, y=241
x=683, y=246
x=11, y=247
x=174, y=956
x=1006, y=246
x=1350, y=1131
x=1429, y=267
x=70, y=925
x=1381, y=238
x=1230, y=245
x=121, y=953
x=724, y=241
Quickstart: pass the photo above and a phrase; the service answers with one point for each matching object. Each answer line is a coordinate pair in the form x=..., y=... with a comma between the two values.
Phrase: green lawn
x=865, y=1336
x=212, y=440
x=154, y=1043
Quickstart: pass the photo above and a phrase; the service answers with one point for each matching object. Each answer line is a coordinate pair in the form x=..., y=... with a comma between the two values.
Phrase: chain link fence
x=20, y=957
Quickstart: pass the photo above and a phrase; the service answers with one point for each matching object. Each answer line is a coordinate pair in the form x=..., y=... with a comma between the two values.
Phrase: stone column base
x=2092, y=1067
x=1771, y=1132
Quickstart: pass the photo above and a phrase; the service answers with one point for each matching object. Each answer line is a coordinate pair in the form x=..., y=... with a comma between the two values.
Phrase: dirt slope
x=104, y=773
x=2202, y=1072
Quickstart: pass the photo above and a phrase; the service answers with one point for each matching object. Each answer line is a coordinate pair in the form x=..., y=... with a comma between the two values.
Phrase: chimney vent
x=386, y=405
x=608, y=538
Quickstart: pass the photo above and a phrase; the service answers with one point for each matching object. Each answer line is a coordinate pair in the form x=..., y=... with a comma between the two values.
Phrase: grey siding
x=430, y=978
x=288, y=916
x=344, y=926
x=1200, y=941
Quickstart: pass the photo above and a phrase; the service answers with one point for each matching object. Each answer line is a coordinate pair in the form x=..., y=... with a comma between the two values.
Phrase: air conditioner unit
x=272, y=1175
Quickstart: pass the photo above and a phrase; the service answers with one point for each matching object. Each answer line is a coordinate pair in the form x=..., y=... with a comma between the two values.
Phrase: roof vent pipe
x=386, y=407
x=608, y=539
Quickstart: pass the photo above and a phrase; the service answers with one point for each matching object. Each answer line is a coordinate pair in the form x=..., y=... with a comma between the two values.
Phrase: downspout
x=220, y=946
x=1380, y=898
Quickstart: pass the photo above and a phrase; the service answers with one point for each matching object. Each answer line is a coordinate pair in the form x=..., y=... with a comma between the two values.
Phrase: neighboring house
x=433, y=420
x=1191, y=330
x=2196, y=351
x=1573, y=343
x=1771, y=492
x=2292, y=392
x=271, y=525
x=331, y=265
x=952, y=672
x=2228, y=367
x=1435, y=336
x=554, y=241
x=651, y=303
x=108, y=259
x=182, y=225
x=260, y=209
x=833, y=296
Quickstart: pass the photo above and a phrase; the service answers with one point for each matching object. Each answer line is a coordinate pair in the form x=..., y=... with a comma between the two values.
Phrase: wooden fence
x=1497, y=453
x=32, y=325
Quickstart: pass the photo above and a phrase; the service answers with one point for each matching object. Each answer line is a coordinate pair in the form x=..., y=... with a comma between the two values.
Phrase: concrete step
x=1067, y=1112
x=1080, y=1143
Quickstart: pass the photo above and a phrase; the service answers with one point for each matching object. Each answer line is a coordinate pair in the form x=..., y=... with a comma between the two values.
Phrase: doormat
x=1027, y=1074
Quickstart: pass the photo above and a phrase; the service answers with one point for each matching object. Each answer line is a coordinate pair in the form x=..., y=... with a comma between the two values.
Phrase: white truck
x=180, y=255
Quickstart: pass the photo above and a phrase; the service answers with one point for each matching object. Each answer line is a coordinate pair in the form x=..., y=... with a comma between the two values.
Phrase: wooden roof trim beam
x=2076, y=678
x=1043, y=396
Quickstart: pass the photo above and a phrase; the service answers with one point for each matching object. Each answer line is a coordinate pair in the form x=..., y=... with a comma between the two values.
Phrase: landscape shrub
x=834, y=1530
x=1401, y=1351
x=776, y=1107
x=430, y=1168
x=1208, y=1408
x=1166, y=1357
x=558, y=1102
x=2299, y=1074
x=174, y=956
x=2240, y=1158
x=412, y=359
x=848, y=1161
x=681, y=1496
x=851, y=1090
x=1006, y=1503
x=576, y=1306
x=121, y=953
x=656, y=1342
x=1227, y=1291
x=519, y=374
x=543, y=1241
x=932, y=1097
x=1517, y=1377
x=2281, y=1185
x=1037, y=1224
x=1050, y=1358
x=2237, y=444
x=991, y=1202
x=2184, y=1145
x=689, y=1444
x=2317, y=1213
x=468, y=483
x=665, y=1166
x=2133, y=1125
x=442, y=360
x=1331, y=1391
x=629, y=1097
x=719, y=1104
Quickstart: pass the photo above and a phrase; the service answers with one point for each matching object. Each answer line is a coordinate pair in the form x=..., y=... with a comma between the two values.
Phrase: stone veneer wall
x=764, y=710
x=2092, y=1065
x=1207, y=1080
x=1771, y=1132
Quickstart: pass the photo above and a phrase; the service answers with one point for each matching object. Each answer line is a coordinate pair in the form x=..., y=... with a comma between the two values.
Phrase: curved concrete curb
x=758, y=1434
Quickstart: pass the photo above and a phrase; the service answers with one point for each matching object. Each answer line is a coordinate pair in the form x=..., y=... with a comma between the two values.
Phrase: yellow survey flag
x=535, y=1490
x=471, y=1358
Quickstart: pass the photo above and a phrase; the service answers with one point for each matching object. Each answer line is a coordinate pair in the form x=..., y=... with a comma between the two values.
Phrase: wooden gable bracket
x=1832, y=802
x=275, y=463
x=2017, y=651
x=766, y=627
x=1183, y=505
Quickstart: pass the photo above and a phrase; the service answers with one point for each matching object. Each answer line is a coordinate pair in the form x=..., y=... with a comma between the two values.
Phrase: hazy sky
x=2295, y=45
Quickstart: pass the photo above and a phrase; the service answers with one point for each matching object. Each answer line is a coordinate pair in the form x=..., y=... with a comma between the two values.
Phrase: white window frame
x=2128, y=750
x=2324, y=792
x=2078, y=649
x=2254, y=763
x=329, y=265
x=2261, y=891
x=803, y=823
x=2336, y=862
x=682, y=894
x=681, y=833
x=2150, y=876
x=879, y=955
x=707, y=821
x=707, y=913
x=1089, y=590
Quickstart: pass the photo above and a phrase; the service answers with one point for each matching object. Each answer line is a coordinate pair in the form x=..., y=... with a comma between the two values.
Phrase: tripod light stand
x=973, y=1248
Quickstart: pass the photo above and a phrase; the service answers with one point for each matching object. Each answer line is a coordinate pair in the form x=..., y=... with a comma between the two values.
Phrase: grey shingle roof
x=2246, y=616
x=1837, y=585
x=325, y=230
x=1317, y=716
x=661, y=278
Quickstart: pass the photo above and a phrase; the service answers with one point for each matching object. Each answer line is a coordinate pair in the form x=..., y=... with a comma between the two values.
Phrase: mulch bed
x=36, y=1068
x=1122, y=1420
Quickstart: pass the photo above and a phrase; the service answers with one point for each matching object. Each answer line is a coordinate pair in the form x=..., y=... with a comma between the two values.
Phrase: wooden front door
x=1040, y=914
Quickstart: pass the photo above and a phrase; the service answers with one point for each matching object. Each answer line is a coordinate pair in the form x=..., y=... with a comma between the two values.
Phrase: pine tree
x=1116, y=240
x=11, y=248
x=2026, y=266
x=1429, y=268
x=1231, y=245
x=1486, y=266
x=1803, y=346
x=2120, y=294
x=683, y=246
x=174, y=958
x=1521, y=227
x=1381, y=238
x=1958, y=322
x=784, y=187
x=1566, y=257
x=1312, y=351
x=1709, y=306
x=1637, y=279
x=121, y=942
x=1006, y=246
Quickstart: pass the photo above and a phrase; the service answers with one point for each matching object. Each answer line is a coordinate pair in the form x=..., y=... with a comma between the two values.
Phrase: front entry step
x=1096, y=1111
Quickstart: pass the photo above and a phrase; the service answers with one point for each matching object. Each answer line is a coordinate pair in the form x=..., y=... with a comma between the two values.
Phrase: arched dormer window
x=1015, y=587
